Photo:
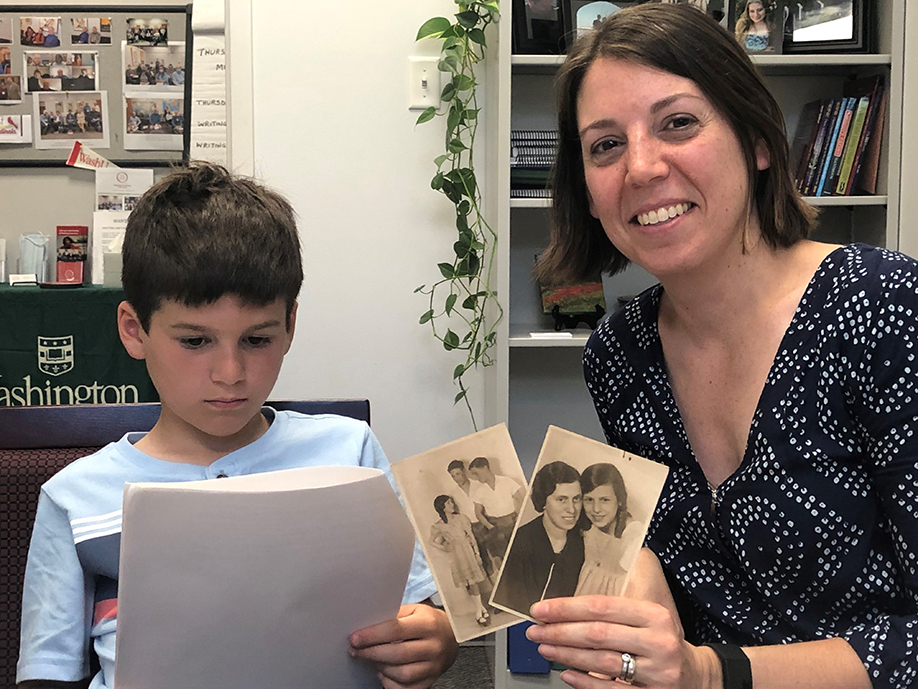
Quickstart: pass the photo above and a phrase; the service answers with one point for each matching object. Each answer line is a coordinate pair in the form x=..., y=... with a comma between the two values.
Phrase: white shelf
x=804, y=61
x=878, y=200
x=519, y=337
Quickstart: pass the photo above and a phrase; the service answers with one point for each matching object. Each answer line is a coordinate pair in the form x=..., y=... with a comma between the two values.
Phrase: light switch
x=423, y=83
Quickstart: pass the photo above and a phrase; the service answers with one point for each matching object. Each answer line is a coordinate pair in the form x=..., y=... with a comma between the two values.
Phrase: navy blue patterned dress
x=816, y=534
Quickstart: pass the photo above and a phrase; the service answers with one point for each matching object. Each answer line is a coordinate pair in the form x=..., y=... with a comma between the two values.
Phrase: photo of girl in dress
x=456, y=496
x=585, y=518
x=612, y=537
x=759, y=26
x=452, y=534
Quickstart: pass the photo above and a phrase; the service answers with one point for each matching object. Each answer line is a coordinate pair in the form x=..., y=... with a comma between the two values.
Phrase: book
x=865, y=177
x=817, y=155
x=836, y=145
x=872, y=88
x=854, y=136
x=268, y=574
x=72, y=243
x=804, y=137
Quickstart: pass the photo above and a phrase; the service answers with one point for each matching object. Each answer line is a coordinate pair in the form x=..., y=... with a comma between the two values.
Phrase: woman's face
x=562, y=507
x=664, y=170
x=601, y=506
x=756, y=11
x=451, y=507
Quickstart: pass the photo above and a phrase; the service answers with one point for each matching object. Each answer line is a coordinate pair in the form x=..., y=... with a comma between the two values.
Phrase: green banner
x=61, y=346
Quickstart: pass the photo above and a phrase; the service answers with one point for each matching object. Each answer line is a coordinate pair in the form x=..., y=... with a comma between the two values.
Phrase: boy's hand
x=409, y=652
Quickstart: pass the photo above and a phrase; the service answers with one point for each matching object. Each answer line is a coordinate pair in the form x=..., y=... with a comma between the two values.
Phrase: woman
x=453, y=535
x=546, y=554
x=752, y=30
x=772, y=374
x=609, y=541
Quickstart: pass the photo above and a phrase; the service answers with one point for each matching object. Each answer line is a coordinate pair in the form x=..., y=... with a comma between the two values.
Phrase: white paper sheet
x=257, y=581
x=107, y=232
x=209, y=131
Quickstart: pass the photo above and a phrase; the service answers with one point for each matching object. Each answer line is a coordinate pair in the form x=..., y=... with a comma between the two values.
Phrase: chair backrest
x=36, y=443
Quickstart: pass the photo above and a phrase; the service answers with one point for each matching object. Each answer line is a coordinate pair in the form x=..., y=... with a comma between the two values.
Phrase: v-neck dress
x=816, y=534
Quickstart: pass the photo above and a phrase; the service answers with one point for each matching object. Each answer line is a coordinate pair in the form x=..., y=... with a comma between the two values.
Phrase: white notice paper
x=106, y=237
x=208, y=112
x=259, y=580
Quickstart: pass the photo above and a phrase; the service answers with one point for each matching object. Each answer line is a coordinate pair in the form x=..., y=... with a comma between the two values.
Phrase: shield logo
x=55, y=355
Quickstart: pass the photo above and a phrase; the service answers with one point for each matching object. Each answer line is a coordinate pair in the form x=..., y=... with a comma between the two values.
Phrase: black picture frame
x=537, y=27
x=860, y=39
x=570, y=9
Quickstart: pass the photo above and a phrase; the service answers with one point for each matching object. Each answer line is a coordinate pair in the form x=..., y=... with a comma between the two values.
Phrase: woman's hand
x=592, y=632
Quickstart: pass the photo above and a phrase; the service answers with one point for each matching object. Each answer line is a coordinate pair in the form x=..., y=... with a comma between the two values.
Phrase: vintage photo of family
x=464, y=499
x=582, y=524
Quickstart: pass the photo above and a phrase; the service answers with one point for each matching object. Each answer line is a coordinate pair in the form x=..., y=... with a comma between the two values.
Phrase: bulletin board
x=116, y=78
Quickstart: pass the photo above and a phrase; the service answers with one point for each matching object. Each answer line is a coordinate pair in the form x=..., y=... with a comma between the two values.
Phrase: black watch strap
x=734, y=665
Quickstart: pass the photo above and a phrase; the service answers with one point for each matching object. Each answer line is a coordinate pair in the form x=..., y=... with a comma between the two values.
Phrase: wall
x=40, y=199
x=331, y=129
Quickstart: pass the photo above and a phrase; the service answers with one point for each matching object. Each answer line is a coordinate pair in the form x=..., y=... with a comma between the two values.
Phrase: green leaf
x=448, y=63
x=461, y=250
x=450, y=340
x=439, y=160
x=463, y=82
x=448, y=93
x=450, y=42
x=470, y=302
x=477, y=350
x=446, y=269
x=427, y=115
x=464, y=208
x=451, y=302
x=456, y=146
x=462, y=224
x=433, y=28
x=427, y=315
x=458, y=371
x=459, y=396
x=468, y=19
x=478, y=246
x=437, y=182
x=418, y=289
x=470, y=114
x=452, y=192
x=474, y=263
x=453, y=118
x=477, y=36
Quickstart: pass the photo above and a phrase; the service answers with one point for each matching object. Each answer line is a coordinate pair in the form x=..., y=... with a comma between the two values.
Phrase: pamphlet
x=257, y=580
x=71, y=252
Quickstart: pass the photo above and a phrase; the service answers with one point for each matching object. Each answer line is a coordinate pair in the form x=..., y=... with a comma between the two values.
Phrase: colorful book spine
x=854, y=136
x=868, y=161
x=836, y=143
x=806, y=154
x=817, y=157
x=863, y=144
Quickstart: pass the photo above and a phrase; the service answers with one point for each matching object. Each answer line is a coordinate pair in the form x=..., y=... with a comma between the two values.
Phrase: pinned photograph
x=40, y=31
x=154, y=123
x=13, y=129
x=154, y=69
x=147, y=32
x=10, y=89
x=6, y=31
x=463, y=499
x=582, y=525
x=56, y=71
x=6, y=66
x=91, y=31
x=62, y=118
x=759, y=26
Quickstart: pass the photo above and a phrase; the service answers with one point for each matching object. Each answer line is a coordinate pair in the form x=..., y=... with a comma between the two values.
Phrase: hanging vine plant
x=463, y=310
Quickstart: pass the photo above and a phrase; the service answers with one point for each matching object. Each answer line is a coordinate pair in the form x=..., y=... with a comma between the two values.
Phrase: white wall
x=40, y=199
x=331, y=130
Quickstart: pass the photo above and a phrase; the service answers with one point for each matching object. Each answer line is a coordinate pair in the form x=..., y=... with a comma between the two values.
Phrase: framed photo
x=829, y=26
x=537, y=27
x=758, y=25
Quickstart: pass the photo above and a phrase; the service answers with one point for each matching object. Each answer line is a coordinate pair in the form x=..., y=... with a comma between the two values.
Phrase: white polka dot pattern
x=816, y=534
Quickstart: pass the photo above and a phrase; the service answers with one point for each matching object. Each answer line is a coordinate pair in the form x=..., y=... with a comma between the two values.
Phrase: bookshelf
x=538, y=382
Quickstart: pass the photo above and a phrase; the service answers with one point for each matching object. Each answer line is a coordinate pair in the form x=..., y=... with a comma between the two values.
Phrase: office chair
x=36, y=443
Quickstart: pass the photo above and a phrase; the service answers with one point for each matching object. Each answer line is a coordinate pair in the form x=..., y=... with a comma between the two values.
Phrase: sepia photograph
x=463, y=499
x=91, y=31
x=62, y=118
x=40, y=31
x=582, y=524
x=154, y=68
x=147, y=32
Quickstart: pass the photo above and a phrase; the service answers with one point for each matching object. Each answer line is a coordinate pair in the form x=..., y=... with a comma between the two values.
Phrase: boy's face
x=213, y=365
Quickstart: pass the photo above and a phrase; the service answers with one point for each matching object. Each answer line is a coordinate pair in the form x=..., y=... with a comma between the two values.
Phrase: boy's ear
x=292, y=327
x=130, y=331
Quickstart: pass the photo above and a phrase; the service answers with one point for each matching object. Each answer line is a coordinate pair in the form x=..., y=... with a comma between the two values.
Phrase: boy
x=211, y=272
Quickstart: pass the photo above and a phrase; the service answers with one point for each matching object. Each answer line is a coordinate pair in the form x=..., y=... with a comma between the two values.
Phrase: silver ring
x=629, y=667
